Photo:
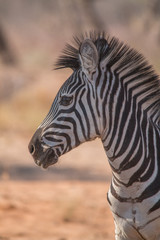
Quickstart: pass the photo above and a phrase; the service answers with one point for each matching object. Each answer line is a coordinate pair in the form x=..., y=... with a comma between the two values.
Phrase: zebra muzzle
x=49, y=158
x=42, y=157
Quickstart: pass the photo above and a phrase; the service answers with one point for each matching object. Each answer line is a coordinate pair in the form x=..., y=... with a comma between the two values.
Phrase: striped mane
x=70, y=57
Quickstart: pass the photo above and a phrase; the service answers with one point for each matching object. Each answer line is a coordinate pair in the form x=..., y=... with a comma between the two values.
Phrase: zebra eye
x=66, y=100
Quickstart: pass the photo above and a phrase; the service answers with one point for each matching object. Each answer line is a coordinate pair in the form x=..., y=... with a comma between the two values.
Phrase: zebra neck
x=133, y=151
x=131, y=137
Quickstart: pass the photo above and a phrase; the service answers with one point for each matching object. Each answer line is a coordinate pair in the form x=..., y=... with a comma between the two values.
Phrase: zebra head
x=74, y=117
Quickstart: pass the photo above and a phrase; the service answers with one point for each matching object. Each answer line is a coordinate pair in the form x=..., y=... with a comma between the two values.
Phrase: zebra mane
x=70, y=56
x=111, y=48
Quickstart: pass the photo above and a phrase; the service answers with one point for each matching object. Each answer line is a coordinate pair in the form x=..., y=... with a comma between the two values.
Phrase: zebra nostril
x=31, y=149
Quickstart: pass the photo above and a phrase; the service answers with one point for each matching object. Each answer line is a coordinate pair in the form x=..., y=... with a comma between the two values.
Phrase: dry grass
x=64, y=210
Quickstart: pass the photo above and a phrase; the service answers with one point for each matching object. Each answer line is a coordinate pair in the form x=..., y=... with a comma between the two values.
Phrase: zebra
x=113, y=94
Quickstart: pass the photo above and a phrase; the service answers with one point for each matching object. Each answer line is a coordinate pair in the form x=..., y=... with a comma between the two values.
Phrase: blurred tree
x=92, y=14
x=156, y=8
x=5, y=51
x=152, y=20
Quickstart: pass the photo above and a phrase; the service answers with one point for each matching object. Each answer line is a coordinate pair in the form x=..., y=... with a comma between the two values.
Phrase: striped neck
x=131, y=118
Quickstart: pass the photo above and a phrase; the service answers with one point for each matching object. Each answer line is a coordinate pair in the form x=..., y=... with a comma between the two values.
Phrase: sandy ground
x=54, y=210
x=65, y=202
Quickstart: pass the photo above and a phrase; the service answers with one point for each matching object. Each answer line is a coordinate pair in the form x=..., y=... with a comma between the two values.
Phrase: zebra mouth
x=48, y=159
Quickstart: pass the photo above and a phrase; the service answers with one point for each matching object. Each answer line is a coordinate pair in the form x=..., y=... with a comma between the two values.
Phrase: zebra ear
x=88, y=57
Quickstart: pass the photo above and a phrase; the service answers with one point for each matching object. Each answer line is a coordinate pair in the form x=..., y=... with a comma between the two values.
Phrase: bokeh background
x=67, y=201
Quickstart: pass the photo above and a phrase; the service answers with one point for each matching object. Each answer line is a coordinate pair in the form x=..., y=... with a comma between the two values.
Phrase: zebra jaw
x=47, y=159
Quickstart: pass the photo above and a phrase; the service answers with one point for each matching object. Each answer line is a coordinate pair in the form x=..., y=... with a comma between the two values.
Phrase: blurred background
x=72, y=194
